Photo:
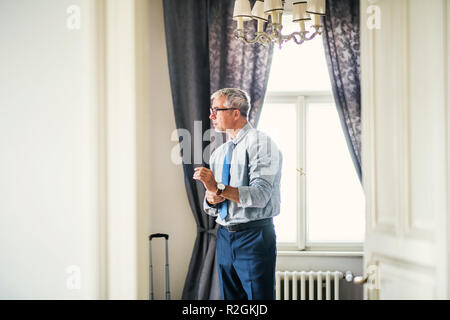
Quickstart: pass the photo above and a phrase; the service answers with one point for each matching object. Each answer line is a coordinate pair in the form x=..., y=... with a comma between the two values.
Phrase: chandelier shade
x=299, y=12
x=242, y=10
x=316, y=7
x=273, y=6
x=258, y=11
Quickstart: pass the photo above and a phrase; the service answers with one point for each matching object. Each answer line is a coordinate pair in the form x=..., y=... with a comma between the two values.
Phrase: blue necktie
x=223, y=210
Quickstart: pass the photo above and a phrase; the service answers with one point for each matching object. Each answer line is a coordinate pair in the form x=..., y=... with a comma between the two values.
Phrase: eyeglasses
x=214, y=111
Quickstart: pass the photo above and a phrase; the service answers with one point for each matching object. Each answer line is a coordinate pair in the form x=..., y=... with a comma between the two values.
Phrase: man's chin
x=219, y=130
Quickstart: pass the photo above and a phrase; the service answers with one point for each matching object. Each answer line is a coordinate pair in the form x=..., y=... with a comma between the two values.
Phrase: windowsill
x=317, y=253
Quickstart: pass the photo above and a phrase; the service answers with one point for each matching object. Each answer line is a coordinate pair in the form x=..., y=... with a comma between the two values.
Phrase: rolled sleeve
x=264, y=165
x=255, y=196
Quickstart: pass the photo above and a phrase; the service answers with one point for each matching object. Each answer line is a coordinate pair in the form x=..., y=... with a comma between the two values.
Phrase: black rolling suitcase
x=166, y=236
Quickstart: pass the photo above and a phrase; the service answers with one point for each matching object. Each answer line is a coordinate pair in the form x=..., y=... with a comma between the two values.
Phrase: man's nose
x=212, y=115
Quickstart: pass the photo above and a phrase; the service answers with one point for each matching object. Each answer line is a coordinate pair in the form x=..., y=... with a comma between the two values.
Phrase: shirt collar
x=241, y=134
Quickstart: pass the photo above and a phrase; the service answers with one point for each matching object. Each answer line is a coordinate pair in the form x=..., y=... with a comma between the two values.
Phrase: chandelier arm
x=275, y=35
x=312, y=35
x=264, y=38
x=318, y=31
x=260, y=37
x=293, y=36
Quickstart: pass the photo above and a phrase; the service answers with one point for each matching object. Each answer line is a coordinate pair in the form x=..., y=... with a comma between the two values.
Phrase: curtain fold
x=203, y=56
x=186, y=27
x=341, y=39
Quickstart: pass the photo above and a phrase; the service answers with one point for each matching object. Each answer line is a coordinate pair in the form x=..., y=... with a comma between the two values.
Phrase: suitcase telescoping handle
x=166, y=236
x=159, y=235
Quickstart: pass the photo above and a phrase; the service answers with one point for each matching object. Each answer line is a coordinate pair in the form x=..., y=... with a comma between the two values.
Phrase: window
x=322, y=201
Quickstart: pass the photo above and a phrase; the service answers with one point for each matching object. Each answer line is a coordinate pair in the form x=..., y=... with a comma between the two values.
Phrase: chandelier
x=272, y=10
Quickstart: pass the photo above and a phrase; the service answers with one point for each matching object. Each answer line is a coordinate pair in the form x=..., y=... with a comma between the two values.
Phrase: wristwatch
x=220, y=188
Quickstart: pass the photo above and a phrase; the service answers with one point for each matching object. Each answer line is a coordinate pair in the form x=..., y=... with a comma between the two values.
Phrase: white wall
x=60, y=138
x=168, y=204
x=48, y=184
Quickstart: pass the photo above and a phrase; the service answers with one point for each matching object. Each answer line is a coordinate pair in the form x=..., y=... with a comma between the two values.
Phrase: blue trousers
x=246, y=263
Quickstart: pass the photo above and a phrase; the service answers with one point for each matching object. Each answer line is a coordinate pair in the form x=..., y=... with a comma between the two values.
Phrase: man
x=243, y=192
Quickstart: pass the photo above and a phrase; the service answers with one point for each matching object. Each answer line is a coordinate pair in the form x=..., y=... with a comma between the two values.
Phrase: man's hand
x=207, y=177
x=212, y=198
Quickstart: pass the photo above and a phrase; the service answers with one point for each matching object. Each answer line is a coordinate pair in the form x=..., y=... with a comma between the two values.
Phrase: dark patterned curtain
x=203, y=56
x=342, y=50
x=186, y=27
x=235, y=64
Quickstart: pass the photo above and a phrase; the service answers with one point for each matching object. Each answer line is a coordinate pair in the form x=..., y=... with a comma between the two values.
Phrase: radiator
x=307, y=285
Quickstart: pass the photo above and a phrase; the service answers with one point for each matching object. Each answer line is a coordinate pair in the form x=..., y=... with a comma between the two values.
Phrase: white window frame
x=302, y=99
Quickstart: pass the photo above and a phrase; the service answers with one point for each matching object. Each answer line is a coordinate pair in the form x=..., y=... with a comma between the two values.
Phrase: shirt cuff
x=210, y=209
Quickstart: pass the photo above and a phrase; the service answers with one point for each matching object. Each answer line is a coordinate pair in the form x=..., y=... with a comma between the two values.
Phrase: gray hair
x=235, y=98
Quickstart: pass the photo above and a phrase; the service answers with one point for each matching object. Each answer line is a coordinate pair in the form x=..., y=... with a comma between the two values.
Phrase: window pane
x=334, y=194
x=299, y=67
x=279, y=121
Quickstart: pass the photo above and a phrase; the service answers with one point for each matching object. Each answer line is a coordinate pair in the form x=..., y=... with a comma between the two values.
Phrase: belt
x=248, y=225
